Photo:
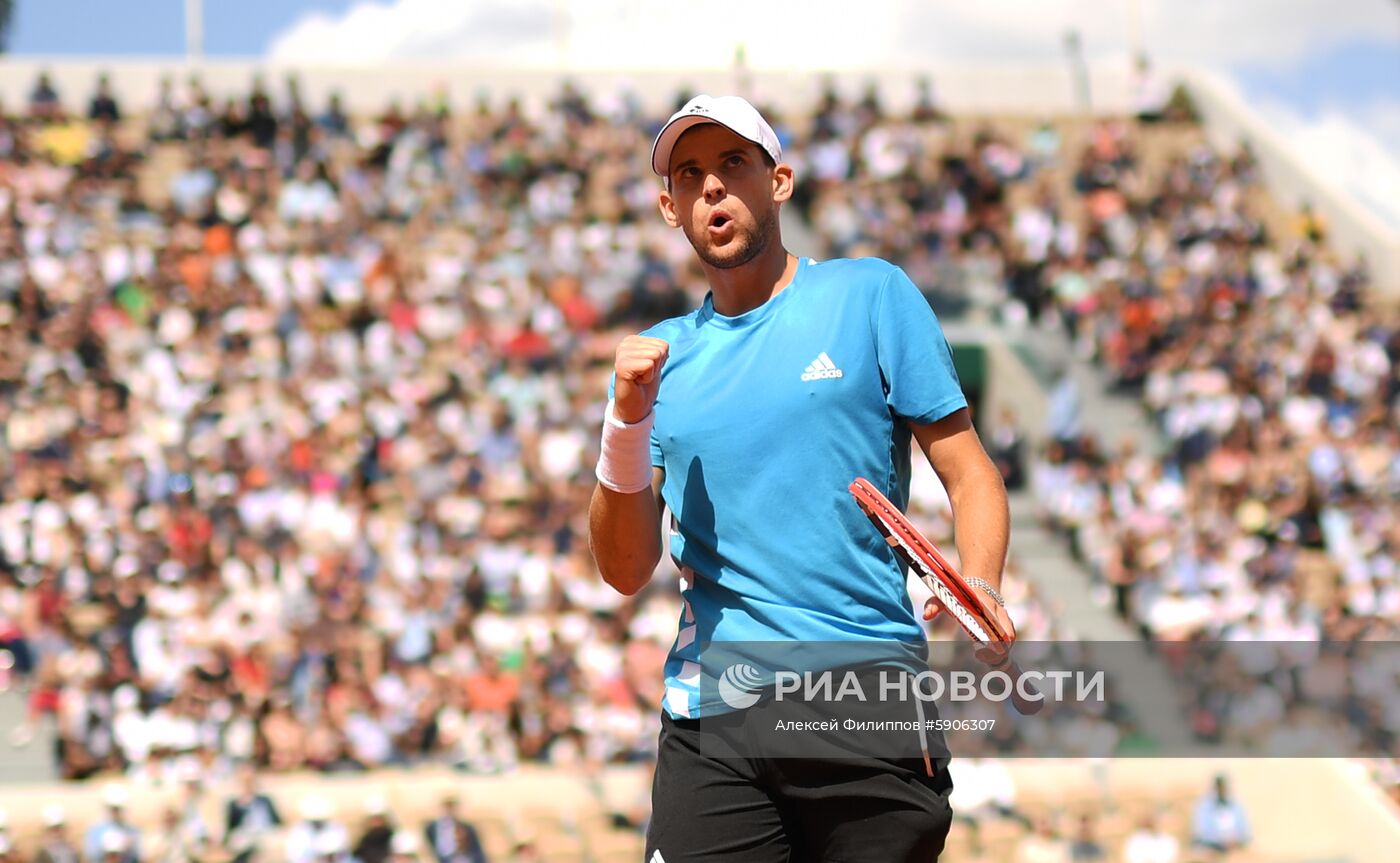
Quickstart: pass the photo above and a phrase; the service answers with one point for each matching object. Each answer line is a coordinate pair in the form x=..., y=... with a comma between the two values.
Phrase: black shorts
x=792, y=810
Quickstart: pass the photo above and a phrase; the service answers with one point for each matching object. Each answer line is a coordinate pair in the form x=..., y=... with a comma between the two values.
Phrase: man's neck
x=745, y=288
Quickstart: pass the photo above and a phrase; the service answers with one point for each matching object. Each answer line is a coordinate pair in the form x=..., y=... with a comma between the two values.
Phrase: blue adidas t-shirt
x=762, y=422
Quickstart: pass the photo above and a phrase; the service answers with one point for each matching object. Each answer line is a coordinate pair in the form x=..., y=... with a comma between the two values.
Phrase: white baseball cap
x=732, y=112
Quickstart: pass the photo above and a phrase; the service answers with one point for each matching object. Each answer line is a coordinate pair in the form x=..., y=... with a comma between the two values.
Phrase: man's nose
x=714, y=188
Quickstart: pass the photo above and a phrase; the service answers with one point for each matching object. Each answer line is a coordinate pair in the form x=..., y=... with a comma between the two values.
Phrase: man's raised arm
x=624, y=516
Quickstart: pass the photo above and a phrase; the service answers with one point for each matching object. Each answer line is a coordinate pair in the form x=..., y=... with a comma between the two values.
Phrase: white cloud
x=1382, y=118
x=1353, y=152
x=368, y=34
x=828, y=34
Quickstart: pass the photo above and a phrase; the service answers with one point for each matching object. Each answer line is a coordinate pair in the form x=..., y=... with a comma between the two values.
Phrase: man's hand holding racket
x=972, y=605
x=995, y=653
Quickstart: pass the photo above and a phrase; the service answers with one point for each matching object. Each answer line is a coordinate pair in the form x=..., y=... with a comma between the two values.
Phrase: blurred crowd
x=1273, y=380
x=300, y=414
x=299, y=409
x=1256, y=352
x=249, y=825
x=992, y=823
x=1258, y=356
x=1270, y=516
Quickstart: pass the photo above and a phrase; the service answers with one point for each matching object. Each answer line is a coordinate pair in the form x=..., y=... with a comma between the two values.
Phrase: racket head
x=921, y=555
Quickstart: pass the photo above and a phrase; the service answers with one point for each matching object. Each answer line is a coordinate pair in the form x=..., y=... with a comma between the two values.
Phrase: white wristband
x=624, y=464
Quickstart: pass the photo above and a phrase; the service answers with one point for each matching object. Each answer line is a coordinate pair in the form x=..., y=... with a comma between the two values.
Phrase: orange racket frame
x=950, y=591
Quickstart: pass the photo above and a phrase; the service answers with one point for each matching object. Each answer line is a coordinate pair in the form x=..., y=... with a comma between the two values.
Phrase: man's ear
x=783, y=182
x=667, y=205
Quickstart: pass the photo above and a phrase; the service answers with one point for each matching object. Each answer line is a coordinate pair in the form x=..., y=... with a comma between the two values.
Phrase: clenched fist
x=638, y=367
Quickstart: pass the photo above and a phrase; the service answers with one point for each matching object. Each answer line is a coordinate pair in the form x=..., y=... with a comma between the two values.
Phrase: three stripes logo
x=822, y=368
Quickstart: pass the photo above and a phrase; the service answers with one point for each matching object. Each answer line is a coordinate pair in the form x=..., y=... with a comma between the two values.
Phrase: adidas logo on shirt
x=822, y=368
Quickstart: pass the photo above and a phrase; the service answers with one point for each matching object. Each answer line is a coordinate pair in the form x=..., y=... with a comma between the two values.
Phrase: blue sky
x=153, y=27
x=1357, y=72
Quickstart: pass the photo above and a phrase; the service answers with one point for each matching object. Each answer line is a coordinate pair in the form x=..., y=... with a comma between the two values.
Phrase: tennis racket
x=950, y=590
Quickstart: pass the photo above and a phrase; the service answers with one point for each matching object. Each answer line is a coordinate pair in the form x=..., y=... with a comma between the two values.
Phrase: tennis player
x=748, y=418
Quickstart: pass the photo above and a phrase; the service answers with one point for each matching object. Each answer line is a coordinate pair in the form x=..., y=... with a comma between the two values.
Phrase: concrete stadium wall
x=999, y=88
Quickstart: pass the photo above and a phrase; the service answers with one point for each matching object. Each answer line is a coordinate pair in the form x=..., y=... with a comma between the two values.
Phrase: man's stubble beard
x=753, y=244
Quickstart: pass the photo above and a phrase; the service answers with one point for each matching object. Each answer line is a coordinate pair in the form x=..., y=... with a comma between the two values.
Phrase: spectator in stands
x=1151, y=844
x=373, y=845
x=249, y=814
x=1007, y=448
x=181, y=838
x=44, y=101
x=1220, y=823
x=1150, y=95
x=1086, y=847
x=983, y=788
x=103, y=108
x=405, y=848
x=925, y=108
x=114, y=837
x=451, y=839
x=334, y=120
x=261, y=125
x=115, y=847
x=54, y=845
x=315, y=836
x=16, y=658
x=308, y=196
x=331, y=848
x=1043, y=845
x=1310, y=224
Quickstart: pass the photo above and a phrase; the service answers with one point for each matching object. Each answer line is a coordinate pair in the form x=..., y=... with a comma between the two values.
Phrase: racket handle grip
x=1026, y=706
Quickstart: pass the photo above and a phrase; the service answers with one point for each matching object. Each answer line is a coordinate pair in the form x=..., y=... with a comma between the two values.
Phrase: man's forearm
x=624, y=533
x=981, y=524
